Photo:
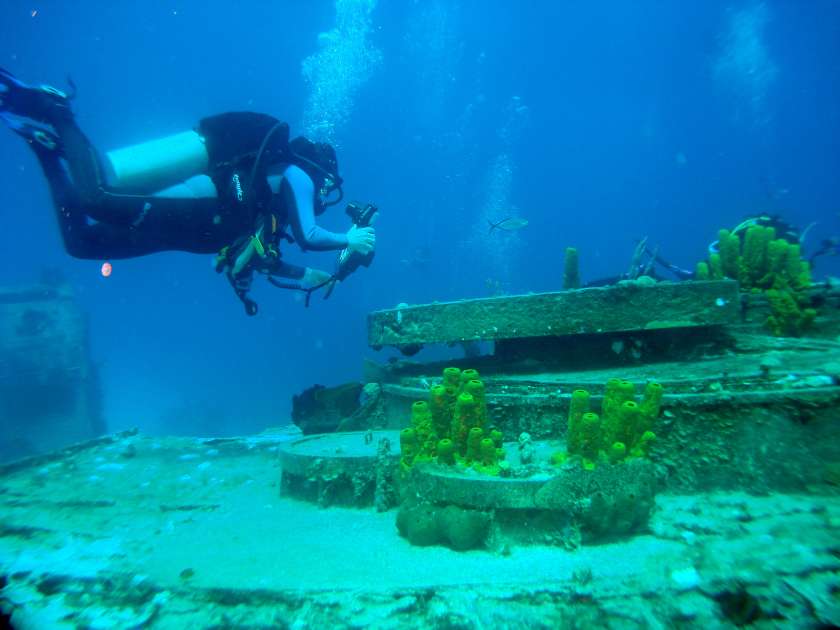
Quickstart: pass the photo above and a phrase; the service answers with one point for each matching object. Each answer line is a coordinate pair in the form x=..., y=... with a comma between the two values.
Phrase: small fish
x=509, y=224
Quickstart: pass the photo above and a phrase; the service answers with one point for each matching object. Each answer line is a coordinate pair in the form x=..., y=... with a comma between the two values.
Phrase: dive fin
x=34, y=102
x=32, y=132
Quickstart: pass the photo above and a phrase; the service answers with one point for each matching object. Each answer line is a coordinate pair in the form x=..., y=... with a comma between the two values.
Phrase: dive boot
x=41, y=103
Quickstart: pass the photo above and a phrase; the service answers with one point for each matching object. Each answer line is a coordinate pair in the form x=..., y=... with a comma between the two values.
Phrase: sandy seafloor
x=182, y=532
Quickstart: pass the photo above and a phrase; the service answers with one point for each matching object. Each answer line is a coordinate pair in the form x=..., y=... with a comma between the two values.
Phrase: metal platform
x=632, y=306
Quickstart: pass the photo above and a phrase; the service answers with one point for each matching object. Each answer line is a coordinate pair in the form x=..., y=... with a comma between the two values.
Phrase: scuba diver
x=232, y=186
x=646, y=260
x=644, y=263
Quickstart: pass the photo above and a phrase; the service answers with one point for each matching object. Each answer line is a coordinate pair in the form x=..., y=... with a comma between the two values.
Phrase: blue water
x=599, y=122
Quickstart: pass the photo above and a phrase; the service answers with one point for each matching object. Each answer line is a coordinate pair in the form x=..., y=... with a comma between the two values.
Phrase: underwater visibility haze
x=566, y=352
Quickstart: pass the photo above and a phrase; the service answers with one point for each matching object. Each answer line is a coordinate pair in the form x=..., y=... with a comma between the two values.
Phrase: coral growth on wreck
x=451, y=428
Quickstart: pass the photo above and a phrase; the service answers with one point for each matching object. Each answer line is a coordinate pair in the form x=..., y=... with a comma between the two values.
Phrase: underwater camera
x=349, y=261
x=362, y=216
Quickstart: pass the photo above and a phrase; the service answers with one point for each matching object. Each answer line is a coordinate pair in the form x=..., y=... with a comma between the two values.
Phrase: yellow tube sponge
x=441, y=405
x=488, y=452
x=617, y=452
x=642, y=445
x=590, y=436
x=578, y=405
x=497, y=437
x=469, y=374
x=610, y=402
x=421, y=418
x=408, y=448
x=715, y=267
x=446, y=452
x=777, y=254
x=421, y=422
x=475, y=387
x=474, y=439
x=452, y=378
x=651, y=403
x=755, y=260
x=729, y=247
x=464, y=419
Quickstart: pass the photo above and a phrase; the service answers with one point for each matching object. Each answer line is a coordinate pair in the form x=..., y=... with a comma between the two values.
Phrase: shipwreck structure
x=701, y=525
x=744, y=410
x=49, y=389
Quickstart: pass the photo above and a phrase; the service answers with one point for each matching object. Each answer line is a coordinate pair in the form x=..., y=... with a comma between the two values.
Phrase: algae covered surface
x=169, y=533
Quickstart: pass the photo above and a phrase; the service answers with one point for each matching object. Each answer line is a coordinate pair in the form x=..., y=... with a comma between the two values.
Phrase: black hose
x=258, y=159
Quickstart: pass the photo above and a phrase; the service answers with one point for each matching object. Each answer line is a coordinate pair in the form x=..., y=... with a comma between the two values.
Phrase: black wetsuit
x=127, y=225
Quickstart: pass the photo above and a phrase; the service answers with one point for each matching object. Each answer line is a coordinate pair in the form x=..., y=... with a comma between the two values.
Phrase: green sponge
x=475, y=387
x=441, y=404
x=578, y=405
x=715, y=267
x=641, y=447
x=497, y=437
x=474, y=444
x=628, y=422
x=729, y=247
x=446, y=452
x=464, y=419
x=469, y=374
x=755, y=259
x=617, y=452
x=489, y=463
x=651, y=403
x=421, y=422
x=590, y=436
x=408, y=448
x=610, y=402
x=452, y=378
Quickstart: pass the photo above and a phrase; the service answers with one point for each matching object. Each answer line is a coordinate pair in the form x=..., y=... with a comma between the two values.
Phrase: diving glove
x=361, y=239
x=314, y=278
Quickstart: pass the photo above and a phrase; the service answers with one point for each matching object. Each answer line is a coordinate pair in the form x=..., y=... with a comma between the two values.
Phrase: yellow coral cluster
x=622, y=430
x=769, y=265
x=451, y=427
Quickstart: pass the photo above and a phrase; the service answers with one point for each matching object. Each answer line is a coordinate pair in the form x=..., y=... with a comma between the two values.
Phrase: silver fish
x=509, y=224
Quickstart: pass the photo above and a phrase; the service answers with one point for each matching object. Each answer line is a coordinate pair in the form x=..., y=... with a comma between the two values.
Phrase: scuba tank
x=157, y=164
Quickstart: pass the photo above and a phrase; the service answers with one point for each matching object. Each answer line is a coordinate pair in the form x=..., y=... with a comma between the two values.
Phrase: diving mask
x=330, y=192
